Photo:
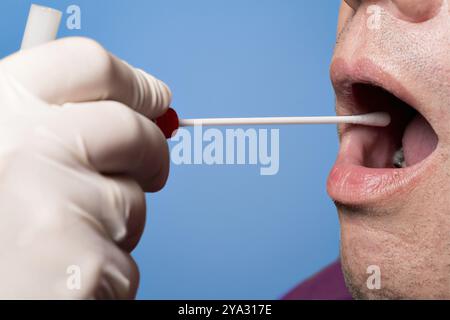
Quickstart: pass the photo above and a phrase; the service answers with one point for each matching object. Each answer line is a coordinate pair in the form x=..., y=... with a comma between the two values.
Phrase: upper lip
x=344, y=75
x=350, y=182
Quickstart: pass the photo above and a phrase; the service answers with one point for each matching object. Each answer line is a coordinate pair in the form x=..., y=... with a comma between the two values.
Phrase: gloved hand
x=77, y=150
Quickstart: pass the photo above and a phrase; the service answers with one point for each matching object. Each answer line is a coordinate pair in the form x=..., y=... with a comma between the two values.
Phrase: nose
x=417, y=10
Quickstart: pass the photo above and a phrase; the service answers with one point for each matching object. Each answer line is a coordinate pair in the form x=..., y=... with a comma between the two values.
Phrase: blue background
x=225, y=232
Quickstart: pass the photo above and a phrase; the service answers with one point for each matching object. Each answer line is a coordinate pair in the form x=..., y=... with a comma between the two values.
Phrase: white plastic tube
x=42, y=26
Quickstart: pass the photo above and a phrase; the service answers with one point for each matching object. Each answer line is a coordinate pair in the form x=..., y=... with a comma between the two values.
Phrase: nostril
x=417, y=10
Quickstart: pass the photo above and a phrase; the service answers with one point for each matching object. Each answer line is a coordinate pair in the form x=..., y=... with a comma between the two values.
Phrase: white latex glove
x=74, y=161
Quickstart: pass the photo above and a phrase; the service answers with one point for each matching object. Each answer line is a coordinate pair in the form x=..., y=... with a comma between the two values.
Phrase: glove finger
x=115, y=140
x=123, y=209
x=73, y=261
x=119, y=275
x=81, y=70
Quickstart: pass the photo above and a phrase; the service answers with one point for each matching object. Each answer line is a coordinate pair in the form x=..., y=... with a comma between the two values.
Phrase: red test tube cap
x=168, y=123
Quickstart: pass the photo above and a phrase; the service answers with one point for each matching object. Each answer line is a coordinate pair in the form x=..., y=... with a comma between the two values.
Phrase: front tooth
x=399, y=159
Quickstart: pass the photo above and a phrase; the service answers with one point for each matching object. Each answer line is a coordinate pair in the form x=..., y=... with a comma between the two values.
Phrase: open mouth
x=377, y=163
x=407, y=141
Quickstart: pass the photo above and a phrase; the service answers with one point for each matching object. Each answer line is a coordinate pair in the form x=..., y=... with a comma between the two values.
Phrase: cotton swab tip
x=376, y=119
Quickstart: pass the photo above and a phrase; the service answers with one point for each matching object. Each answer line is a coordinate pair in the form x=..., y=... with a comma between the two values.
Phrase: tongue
x=419, y=140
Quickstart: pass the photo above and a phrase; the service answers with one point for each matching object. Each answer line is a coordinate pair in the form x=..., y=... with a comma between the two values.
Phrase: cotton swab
x=376, y=119
x=169, y=122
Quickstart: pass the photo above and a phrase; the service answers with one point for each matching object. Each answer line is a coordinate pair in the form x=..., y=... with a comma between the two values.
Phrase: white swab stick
x=42, y=26
x=376, y=119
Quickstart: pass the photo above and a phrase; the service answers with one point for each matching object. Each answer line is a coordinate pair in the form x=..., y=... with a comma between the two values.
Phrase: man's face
x=392, y=185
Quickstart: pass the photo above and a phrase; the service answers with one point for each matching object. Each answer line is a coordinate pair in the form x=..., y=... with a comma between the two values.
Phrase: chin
x=411, y=267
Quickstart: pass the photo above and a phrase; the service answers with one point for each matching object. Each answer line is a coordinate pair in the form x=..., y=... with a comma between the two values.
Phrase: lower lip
x=350, y=183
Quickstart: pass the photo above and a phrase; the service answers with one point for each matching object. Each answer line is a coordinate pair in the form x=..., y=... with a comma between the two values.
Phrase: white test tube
x=42, y=26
